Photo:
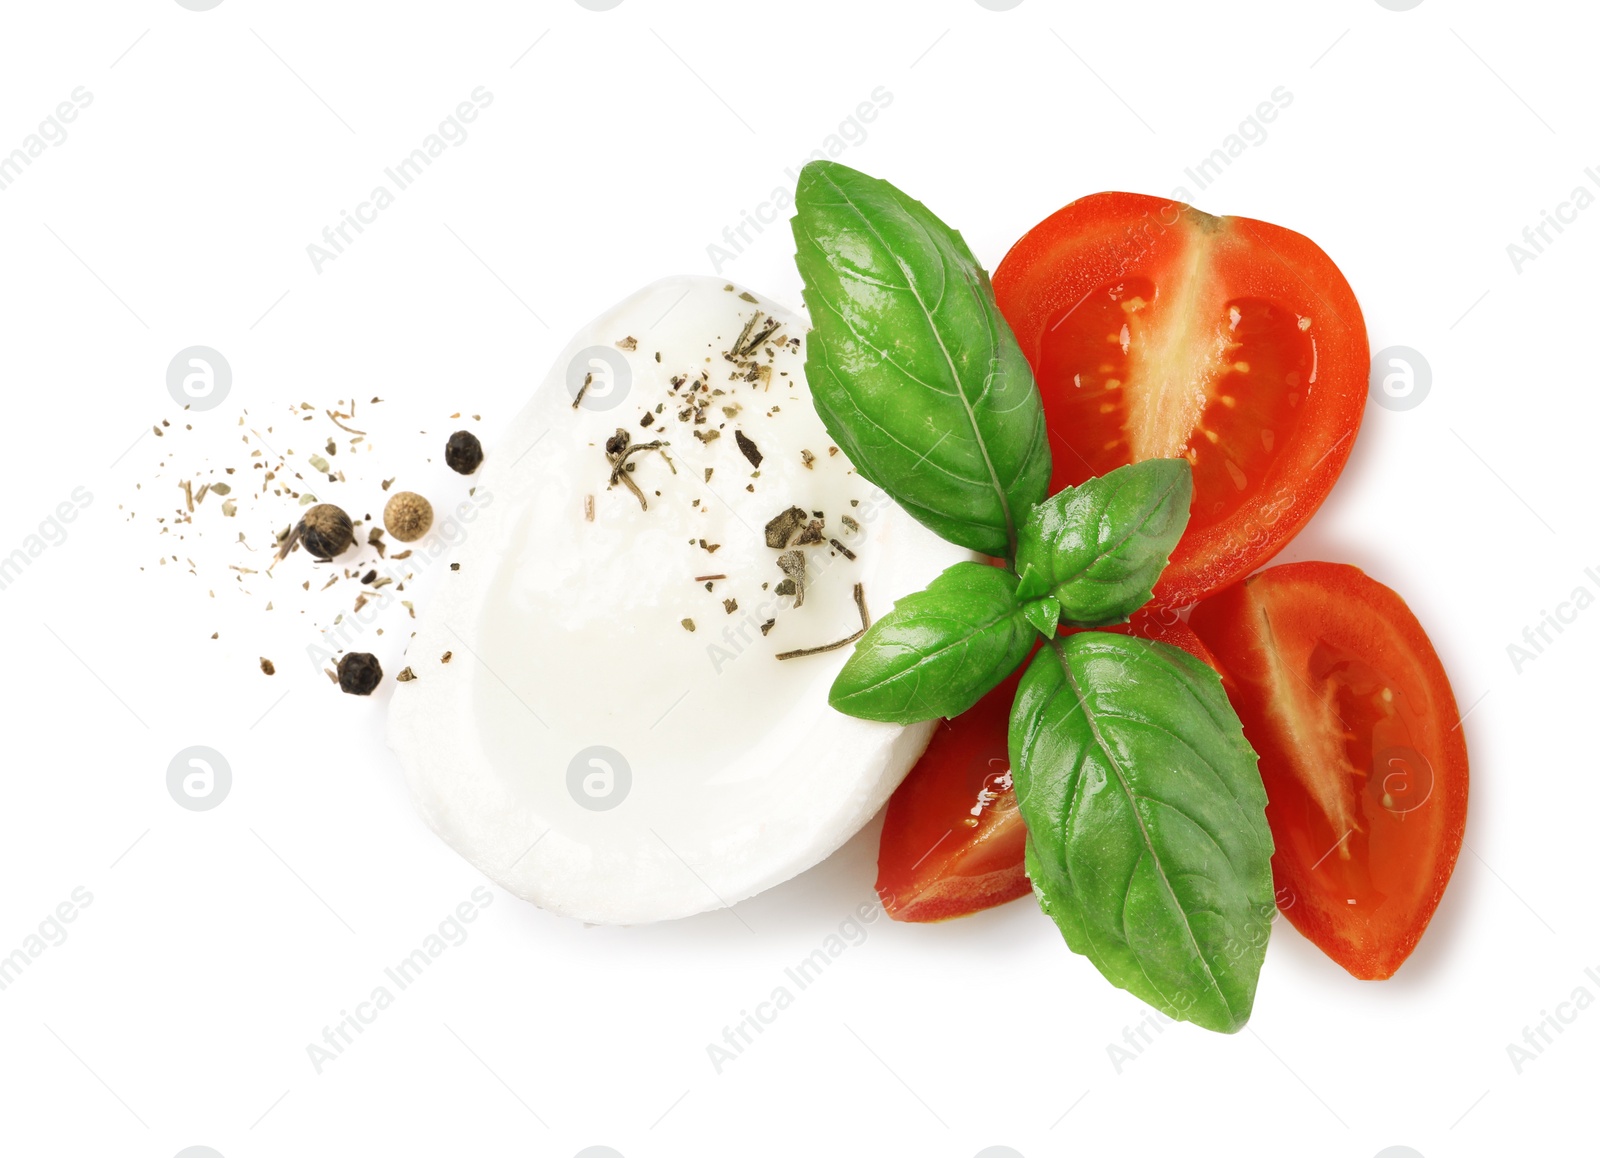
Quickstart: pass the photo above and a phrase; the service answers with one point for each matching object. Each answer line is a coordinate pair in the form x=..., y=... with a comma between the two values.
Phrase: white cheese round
x=584, y=747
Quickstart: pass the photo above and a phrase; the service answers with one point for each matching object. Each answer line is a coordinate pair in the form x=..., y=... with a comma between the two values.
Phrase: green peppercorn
x=359, y=673
x=463, y=453
x=408, y=516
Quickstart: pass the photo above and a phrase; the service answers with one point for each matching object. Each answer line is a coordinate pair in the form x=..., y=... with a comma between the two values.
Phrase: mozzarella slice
x=615, y=739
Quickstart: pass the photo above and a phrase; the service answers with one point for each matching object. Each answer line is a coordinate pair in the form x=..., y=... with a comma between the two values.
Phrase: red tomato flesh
x=953, y=836
x=1361, y=748
x=1158, y=331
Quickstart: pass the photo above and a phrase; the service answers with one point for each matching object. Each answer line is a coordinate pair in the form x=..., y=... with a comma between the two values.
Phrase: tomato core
x=1122, y=393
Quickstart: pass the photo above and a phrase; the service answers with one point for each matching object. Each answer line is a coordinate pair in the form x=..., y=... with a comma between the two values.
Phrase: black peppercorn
x=359, y=673
x=463, y=453
x=325, y=530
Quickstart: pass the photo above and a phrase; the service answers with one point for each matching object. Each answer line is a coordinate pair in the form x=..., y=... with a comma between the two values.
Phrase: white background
x=618, y=146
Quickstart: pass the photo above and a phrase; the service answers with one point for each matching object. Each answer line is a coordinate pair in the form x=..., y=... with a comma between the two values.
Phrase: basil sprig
x=1147, y=835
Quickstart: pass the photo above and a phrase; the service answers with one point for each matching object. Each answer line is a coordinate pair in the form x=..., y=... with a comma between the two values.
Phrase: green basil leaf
x=1099, y=548
x=938, y=651
x=916, y=375
x=1147, y=836
x=1033, y=584
x=1044, y=614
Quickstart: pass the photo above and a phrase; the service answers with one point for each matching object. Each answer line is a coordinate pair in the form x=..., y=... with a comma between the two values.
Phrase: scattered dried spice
x=336, y=416
x=408, y=516
x=748, y=448
x=463, y=453
x=842, y=549
x=620, y=447
x=406, y=676
x=628, y=343
x=866, y=622
x=809, y=534
x=708, y=578
x=445, y=658
x=267, y=667
x=359, y=673
x=793, y=564
x=588, y=508
x=577, y=399
x=757, y=330
x=807, y=458
x=688, y=624
x=728, y=605
x=782, y=527
x=850, y=524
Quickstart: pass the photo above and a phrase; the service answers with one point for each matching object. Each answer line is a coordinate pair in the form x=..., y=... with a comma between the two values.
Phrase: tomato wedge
x=1155, y=330
x=953, y=836
x=1361, y=748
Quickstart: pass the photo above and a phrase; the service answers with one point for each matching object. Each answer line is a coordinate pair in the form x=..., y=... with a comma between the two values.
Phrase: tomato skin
x=1361, y=751
x=1266, y=453
x=953, y=836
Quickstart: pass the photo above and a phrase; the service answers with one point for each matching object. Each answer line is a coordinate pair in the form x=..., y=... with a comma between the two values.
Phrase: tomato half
x=1361, y=748
x=1158, y=331
x=953, y=836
